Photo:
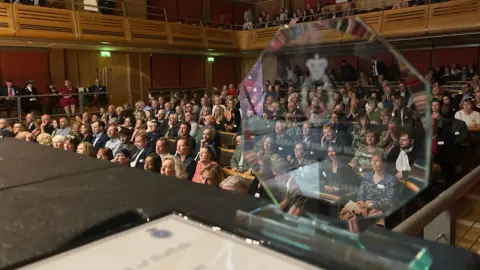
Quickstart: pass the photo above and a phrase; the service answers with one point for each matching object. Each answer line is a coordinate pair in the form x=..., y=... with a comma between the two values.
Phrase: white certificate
x=171, y=242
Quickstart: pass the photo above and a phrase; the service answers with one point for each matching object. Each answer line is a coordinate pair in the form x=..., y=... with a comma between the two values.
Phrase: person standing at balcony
x=106, y=6
x=378, y=68
x=68, y=101
x=33, y=103
x=248, y=15
x=100, y=93
x=9, y=90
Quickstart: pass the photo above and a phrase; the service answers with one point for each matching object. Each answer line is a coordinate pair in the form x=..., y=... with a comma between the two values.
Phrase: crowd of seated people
x=365, y=149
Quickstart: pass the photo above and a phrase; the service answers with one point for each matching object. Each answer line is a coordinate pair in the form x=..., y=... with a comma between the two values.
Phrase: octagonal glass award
x=335, y=150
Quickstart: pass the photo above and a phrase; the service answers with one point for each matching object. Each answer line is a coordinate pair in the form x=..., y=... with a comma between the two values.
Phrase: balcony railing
x=146, y=26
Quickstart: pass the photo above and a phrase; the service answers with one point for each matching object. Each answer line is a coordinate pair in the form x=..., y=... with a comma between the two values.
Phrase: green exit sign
x=210, y=59
x=105, y=54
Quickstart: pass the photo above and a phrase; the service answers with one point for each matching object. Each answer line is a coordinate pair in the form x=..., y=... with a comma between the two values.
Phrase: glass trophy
x=335, y=159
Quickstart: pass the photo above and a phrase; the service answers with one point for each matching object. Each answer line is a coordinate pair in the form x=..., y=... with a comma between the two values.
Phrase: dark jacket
x=97, y=144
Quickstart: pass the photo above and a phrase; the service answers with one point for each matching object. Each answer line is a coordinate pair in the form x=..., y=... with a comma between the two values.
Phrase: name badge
x=280, y=148
x=257, y=195
x=441, y=143
x=324, y=174
x=141, y=160
x=457, y=133
x=311, y=153
x=380, y=186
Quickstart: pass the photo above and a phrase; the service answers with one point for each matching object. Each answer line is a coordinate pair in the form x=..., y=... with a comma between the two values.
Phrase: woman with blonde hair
x=218, y=115
x=86, y=149
x=173, y=166
x=211, y=175
x=236, y=184
x=44, y=139
x=57, y=141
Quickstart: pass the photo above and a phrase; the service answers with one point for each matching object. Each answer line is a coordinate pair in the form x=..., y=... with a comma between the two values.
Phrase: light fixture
x=105, y=42
x=210, y=59
x=105, y=54
x=210, y=50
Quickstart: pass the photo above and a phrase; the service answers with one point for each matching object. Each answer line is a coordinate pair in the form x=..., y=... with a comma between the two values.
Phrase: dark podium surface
x=49, y=196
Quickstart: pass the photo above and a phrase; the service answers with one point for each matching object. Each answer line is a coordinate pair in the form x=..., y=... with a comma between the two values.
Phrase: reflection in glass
x=345, y=150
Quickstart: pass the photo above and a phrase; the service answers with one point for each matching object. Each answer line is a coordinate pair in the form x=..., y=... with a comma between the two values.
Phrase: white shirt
x=114, y=145
x=471, y=120
x=137, y=155
x=374, y=69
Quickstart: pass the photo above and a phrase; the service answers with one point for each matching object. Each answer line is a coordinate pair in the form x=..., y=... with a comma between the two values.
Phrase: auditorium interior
x=303, y=134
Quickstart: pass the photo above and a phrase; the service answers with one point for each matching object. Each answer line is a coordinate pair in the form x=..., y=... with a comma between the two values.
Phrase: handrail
x=81, y=99
x=443, y=202
x=322, y=15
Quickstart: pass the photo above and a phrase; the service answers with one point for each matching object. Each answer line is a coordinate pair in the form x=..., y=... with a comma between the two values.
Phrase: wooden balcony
x=60, y=24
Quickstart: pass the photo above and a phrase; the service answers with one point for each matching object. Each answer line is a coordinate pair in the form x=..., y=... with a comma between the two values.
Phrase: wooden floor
x=468, y=221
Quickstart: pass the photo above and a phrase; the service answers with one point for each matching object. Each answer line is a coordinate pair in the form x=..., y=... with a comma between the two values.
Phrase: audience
x=362, y=143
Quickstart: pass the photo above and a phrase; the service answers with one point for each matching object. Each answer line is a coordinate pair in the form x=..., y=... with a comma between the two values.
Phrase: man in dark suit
x=331, y=137
x=100, y=94
x=153, y=133
x=162, y=122
x=184, y=133
x=30, y=104
x=378, y=68
x=207, y=140
x=347, y=72
x=106, y=6
x=309, y=138
x=403, y=114
x=282, y=143
x=141, y=142
x=9, y=90
x=401, y=158
x=443, y=145
x=467, y=93
x=100, y=138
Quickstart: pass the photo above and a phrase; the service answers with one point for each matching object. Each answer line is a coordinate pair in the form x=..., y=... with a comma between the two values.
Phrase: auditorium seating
x=50, y=23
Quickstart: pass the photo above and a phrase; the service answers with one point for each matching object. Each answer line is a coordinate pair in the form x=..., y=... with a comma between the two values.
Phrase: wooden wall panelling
x=44, y=22
x=57, y=66
x=405, y=21
x=139, y=75
x=209, y=75
x=148, y=32
x=135, y=8
x=246, y=65
x=21, y=66
x=269, y=65
x=88, y=67
x=99, y=27
x=6, y=20
x=117, y=69
x=71, y=65
x=145, y=74
x=454, y=16
x=192, y=71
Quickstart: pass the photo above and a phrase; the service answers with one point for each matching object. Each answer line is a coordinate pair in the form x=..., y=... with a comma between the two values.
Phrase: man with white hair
x=4, y=132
